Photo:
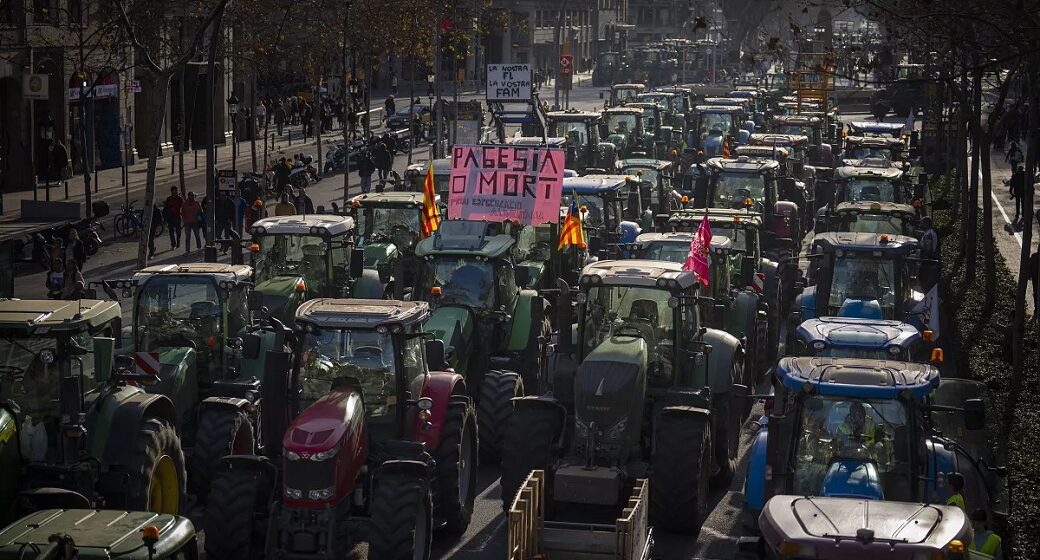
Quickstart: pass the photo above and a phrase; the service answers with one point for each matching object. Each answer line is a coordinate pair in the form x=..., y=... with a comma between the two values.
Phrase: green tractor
x=732, y=305
x=641, y=390
x=297, y=258
x=86, y=534
x=415, y=176
x=389, y=227
x=493, y=330
x=74, y=430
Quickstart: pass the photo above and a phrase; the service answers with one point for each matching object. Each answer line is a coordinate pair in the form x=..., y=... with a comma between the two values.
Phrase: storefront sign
x=499, y=183
x=509, y=83
x=226, y=181
x=100, y=91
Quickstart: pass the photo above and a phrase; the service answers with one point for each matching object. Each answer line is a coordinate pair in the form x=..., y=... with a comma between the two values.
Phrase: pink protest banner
x=499, y=183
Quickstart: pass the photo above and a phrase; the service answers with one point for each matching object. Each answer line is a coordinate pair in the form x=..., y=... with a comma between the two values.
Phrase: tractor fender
x=368, y=286
x=746, y=313
x=410, y=467
x=805, y=303
x=546, y=403
x=232, y=403
x=769, y=268
x=258, y=463
x=755, y=481
x=725, y=350
x=118, y=419
x=528, y=308
x=439, y=387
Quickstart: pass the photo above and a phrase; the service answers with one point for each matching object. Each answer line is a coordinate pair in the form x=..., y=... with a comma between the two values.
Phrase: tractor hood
x=100, y=534
x=325, y=423
x=453, y=325
x=609, y=391
x=853, y=479
x=376, y=253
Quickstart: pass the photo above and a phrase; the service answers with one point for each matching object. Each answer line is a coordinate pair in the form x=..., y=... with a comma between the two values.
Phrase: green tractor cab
x=868, y=181
x=623, y=93
x=75, y=431
x=635, y=367
x=626, y=130
x=493, y=330
x=389, y=227
x=674, y=104
x=657, y=186
x=665, y=137
x=584, y=149
x=297, y=258
x=85, y=534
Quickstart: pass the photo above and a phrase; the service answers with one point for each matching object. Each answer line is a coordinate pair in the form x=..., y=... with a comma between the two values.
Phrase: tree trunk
x=182, y=142
x=972, y=237
x=990, y=261
x=161, y=84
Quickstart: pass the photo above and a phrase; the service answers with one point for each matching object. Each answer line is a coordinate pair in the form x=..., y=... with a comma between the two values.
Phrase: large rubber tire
x=680, y=463
x=456, y=458
x=528, y=445
x=532, y=373
x=156, y=443
x=401, y=519
x=726, y=442
x=222, y=431
x=233, y=528
x=494, y=406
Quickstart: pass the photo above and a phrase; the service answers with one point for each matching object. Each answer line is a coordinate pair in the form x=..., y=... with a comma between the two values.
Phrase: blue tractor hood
x=853, y=479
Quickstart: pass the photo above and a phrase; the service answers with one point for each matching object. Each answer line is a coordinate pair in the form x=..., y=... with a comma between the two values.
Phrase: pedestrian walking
x=307, y=114
x=304, y=204
x=1014, y=154
x=389, y=107
x=279, y=118
x=74, y=285
x=254, y=212
x=382, y=160
x=76, y=249
x=391, y=144
x=365, y=167
x=1017, y=186
x=352, y=122
x=393, y=84
x=59, y=161
x=985, y=545
x=172, y=212
x=225, y=217
x=157, y=218
x=294, y=108
x=192, y=217
x=284, y=207
x=261, y=114
x=281, y=174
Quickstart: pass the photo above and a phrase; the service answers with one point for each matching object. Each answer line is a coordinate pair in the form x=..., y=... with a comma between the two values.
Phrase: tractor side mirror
x=250, y=346
x=747, y=267
x=435, y=355
x=974, y=414
x=357, y=263
x=104, y=357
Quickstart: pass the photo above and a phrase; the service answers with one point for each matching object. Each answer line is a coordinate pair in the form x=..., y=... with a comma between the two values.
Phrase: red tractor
x=367, y=443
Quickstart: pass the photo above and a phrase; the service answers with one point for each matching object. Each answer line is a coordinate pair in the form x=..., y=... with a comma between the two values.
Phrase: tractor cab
x=624, y=128
x=583, y=147
x=624, y=93
x=657, y=184
x=871, y=128
x=389, y=225
x=415, y=176
x=873, y=217
x=610, y=206
x=870, y=339
x=296, y=258
x=864, y=275
x=656, y=127
x=869, y=180
x=714, y=124
x=818, y=149
x=755, y=105
x=673, y=104
x=608, y=65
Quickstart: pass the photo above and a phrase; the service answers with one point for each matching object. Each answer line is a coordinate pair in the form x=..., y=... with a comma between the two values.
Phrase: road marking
x=1007, y=219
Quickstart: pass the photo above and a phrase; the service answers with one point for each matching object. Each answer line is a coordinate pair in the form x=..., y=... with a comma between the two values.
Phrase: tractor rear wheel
x=680, y=462
x=401, y=519
x=457, y=468
x=157, y=474
x=527, y=446
x=235, y=528
x=532, y=374
x=728, y=422
x=494, y=406
x=222, y=431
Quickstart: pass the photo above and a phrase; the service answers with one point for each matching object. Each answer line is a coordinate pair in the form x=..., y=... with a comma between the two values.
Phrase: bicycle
x=129, y=222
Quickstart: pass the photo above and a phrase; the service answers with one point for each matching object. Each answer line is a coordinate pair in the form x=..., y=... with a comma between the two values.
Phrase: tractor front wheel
x=234, y=523
x=680, y=459
x=222, y=431
x=401, y=519
x=494, y=406
x=457, y=467
x=157, y=474
x=527, y=446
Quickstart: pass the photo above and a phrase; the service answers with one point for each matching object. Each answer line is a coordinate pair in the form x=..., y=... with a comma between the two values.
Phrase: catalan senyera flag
x=431, y=218
x=700, y=245
x=572, y=233
x=725, y=147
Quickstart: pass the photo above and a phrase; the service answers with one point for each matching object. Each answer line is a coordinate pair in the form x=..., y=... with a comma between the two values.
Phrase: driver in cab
x=857, y=427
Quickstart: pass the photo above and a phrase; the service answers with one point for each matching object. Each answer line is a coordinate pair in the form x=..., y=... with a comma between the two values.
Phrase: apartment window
x=76, y=12
x=7, y=12
x=538, y=19
x=45, y=12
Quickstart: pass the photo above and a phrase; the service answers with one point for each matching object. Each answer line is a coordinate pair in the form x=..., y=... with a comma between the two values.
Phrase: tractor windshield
x=576, y=132
x=338, y=359
x=292, y=255
x=715, y=124
x=647, y=174
x=863, y=286
x=869, y=190
x=876, y=223
x=650, y=118
x=843, y=429
x=624, y=94
x=396, y=225
x=178, y=311
x=864, y=152
x=633, y=311
x=733, y=189
x=736, y=234
x=465, y=281
x=621, y=124
x=595, y=213
x=667, y=251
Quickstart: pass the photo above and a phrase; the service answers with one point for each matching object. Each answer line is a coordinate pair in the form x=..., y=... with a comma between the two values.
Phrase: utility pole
x=211, y=144
x=438, y=109
x=558, y=43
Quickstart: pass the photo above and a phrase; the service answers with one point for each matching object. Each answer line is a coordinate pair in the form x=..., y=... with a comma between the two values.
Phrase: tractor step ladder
x=532, y=537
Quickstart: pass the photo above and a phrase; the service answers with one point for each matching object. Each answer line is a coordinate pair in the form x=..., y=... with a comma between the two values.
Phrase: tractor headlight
x=819, y=345
x=293, y=493
x=292, y=455
x=327, y=454
x=895, y=349
x=323, y=494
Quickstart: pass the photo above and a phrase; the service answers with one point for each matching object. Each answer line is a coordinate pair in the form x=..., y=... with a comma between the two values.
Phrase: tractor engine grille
x=306, y=475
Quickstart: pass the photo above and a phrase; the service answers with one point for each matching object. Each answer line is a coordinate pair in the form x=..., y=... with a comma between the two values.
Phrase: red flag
x=697, y=260
x=725, y=147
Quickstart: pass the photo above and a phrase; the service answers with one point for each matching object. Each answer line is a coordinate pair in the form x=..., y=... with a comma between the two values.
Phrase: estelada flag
x=725, y=147
x=697, y=259
x=572, y=233
x=431, y=217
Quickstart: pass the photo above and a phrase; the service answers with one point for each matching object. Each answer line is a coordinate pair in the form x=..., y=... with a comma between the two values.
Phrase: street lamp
x=232, y=104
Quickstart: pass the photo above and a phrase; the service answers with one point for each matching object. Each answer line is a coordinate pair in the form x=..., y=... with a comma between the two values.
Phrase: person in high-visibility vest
x=986, y=544
x=956, y=483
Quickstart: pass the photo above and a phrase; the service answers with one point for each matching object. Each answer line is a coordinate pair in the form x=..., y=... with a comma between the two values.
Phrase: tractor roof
x=854, y=241
x=646, y=163
x=740, y=101
x=874, y=141
x=742, y=94
x=715, y=215
x=646, y=105
x=864, y=207
x=310, y=224
x=624, y=109
x=743, y=164
x=362, y=313
x=858, y=332
x=467, y=237
x=665, y=236
x=594, y=184
x=773, y=138
x=768, y=152
x=640, y=87
x=99, y=534
x=856, y=377
x=551, y=142
x=572, y=115
x=54, y=315
x=719, y=109
x=637, y=272
x=867, y=127
x=390, y=198
x=803, y=120
x=441, y=166
x=871, y=168
x=673, y=90
x=220, y=271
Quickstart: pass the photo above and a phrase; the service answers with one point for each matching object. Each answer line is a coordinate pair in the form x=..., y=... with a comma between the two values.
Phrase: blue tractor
x=871, y=430
x=611, y=209
x=872, y=339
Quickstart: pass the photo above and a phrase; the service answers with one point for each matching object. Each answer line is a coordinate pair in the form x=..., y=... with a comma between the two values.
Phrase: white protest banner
x=499, y=183
x=509, y=83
